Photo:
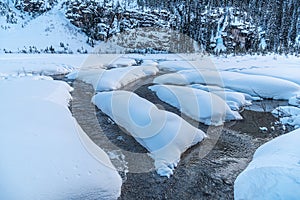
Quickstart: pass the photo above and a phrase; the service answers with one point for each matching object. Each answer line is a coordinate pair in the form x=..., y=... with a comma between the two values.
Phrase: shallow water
x=206, y=171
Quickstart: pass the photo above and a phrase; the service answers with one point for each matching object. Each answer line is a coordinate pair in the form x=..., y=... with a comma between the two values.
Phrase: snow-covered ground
x=33, y=100
x=43, y=151
x=49, y=29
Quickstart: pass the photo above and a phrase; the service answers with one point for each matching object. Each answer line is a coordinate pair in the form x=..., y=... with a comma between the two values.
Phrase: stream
x=205, y=171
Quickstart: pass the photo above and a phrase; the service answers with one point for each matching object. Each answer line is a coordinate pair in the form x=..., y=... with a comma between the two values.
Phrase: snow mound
x=288, y=115
x=164, y=134
x=235, y=100
x=274, y=172
x=176, y=65
x=289, y=73
x=200, y=105
x=254, y=85
x=122, y=62
x=43, y=151
x=106, y=80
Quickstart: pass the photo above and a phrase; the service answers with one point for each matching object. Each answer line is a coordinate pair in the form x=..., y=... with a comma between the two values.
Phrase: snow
x=105, y=80
x=295, y=101
x=165, y=135
x=235, y=100
x=122, y=62
x=45, y=64
x=200, y=105
x=290, y=73
x=274, y=172
x=263, y=128
x=43, y=151
x=288, y=115
x=176, y=65
x=48, y=29
x=254, y=85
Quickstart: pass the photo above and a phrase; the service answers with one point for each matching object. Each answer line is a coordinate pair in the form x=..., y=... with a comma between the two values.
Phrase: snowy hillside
x=49, y=32
x=78, y=26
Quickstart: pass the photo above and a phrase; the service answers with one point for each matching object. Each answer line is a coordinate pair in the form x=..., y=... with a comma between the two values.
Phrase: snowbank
x=235, y=100
x=254, y=85
x=45, y=64
x=176, y=65
x=200, y=105
x=43, y=151
x=105, y=80
x=164, y=134
x=288, y=115
x=274, y=172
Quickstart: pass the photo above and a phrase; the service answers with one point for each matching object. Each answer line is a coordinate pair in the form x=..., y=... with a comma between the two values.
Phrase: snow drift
x=254, y=85
x=164, y=134
x=200, y=105
x=106, y=80
x=235, y=100
x=43, y=151
x=274, y=172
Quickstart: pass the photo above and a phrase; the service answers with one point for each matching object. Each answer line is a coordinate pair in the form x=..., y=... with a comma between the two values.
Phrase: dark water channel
x=208, y=175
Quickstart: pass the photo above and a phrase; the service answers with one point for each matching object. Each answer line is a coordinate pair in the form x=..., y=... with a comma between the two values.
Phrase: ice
x=43, y=151
x=295, y=101
x=200, y=105
x=165, y=135
x=274, y=172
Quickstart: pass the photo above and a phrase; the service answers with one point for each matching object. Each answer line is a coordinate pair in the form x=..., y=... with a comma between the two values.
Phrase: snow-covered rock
x=43, y=151
x=274, y=172
x=164, y=134
x=200, y=105
x=105, y=80
x=288, y=115
x=254, y=85
x=295, y=101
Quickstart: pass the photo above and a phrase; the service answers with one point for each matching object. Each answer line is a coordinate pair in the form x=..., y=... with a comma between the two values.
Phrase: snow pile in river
x=254, y=85
x=200, y=105
x=105, y=80
x=164, y=134
x=43, y=151
x=274, y=172
x=288, y=115
x=235, y=100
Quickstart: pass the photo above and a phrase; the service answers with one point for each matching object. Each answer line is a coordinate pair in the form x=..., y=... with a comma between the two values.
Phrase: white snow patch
x=45, y=64
x=235, y=100
x=164, y=134
x=43, y=151
x=105, y=80
x=288, y=115
x=200, y=105
x=274, y=172
x=254, y=85
x=295, y=101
